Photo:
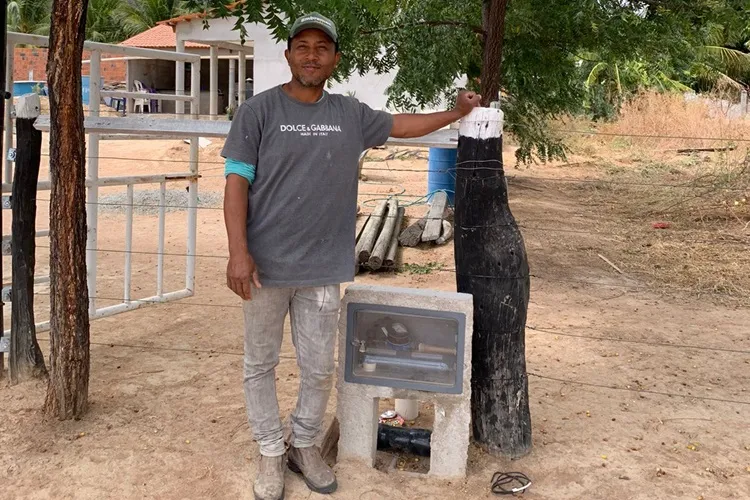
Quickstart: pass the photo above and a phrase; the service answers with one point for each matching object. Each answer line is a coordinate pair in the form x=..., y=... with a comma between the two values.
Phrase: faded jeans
x=314, y=317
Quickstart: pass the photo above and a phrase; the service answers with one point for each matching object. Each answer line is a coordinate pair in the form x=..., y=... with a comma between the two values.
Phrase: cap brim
x=317, y=26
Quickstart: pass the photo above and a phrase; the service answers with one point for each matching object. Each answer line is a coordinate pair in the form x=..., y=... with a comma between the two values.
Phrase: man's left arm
x=418, y=125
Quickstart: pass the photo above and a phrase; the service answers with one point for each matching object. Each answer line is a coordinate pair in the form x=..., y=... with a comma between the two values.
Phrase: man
x=290, y=203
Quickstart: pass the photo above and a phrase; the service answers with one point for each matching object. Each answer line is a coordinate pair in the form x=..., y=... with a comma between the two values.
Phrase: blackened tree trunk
x=491, y=265
x=26, y=359
x=3, y=41
x=493, y=21
x=67, y=393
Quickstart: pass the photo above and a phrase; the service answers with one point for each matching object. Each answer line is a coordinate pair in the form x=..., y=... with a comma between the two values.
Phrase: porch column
x=129, y=78
x=179, y=80
x=214, y=86
x=232, y=83
x=242, y=70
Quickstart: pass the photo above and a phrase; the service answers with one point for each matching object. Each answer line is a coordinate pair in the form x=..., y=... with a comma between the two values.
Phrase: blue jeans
x=314, y=316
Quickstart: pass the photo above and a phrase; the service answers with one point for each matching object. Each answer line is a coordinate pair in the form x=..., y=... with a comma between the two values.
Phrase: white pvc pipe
x=160, y=251
x=192, y=217
x=195, y=90
x=124, y=307
x=141, y=95
x=92, y=208
x=407, y=408
x=43, y=41
x=116, y=181
x=138, y=303
x=128, y=243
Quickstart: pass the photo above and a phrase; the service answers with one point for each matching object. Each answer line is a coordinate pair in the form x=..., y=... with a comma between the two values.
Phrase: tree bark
x=67, y=392
x=3, y=41
x=26, y=359
x=493, y=19
x=491, y=265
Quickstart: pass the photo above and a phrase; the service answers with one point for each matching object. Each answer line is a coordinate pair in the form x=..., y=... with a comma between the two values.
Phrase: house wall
x=270, y=67
x=26, y=60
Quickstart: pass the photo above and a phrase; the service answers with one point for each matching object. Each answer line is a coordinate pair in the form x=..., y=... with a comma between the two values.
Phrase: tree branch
x=476, y=29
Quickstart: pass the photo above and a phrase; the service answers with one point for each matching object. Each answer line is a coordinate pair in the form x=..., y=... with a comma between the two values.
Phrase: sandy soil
x=638, y=388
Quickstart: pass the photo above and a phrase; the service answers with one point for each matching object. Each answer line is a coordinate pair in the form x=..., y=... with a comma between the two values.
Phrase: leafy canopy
x=433, y=43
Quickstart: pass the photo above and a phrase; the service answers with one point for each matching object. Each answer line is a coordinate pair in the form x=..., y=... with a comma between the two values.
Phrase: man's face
x=312, y=58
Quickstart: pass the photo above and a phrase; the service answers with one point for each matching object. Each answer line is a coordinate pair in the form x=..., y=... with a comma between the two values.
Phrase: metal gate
x=94, y=181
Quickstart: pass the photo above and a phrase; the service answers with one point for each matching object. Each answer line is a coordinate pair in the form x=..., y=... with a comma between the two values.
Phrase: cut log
x=390, y=257
x=447, y=233
x=370, y=233
x=412, y=235
x=384, y=239
x=434, y=225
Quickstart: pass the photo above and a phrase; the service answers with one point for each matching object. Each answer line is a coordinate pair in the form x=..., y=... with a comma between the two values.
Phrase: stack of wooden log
x=377, y=244
x=380, y=237
x=433, y=227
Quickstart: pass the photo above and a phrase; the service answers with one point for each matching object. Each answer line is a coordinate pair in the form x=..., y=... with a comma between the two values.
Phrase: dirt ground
x=638, y=381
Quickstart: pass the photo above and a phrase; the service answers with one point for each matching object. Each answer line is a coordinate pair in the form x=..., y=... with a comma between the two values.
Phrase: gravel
x=146, y=202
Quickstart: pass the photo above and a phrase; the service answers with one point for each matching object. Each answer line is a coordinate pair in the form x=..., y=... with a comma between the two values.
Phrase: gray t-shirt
x=301, y=220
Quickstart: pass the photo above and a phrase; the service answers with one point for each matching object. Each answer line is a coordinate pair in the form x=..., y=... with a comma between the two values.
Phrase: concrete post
x=743, y=103
x=214, y=86
x=232, y=83
x=180, y=77
x=242, y=76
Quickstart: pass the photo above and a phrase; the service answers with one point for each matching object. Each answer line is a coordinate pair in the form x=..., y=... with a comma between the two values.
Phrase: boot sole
x=325, y=490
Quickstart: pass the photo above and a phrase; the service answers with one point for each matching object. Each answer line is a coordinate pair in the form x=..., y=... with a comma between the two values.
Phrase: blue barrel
x=441, y=172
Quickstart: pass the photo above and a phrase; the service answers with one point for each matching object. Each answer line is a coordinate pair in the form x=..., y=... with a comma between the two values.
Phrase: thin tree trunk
x=493, y=17
x=67, y=393
x=26, y=359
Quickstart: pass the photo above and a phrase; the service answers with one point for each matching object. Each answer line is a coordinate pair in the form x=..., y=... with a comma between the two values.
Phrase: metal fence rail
x=94, y=181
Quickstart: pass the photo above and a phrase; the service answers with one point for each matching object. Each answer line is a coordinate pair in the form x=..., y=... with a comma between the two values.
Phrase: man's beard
x=316, y=83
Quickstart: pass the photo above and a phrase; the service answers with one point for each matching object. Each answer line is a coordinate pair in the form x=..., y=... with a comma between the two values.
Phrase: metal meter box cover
x=405, y=348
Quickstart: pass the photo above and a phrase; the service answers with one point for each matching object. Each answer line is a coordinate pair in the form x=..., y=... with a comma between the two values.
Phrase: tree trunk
x=67, y=393
x=493, y=20
x=491, y=265
x=3, y=40
x=26, y=359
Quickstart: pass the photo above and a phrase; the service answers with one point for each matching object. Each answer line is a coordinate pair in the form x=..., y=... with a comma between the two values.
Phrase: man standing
x=290, y=204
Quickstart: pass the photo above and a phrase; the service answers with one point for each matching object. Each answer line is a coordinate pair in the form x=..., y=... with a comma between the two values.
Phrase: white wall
x=271, y=68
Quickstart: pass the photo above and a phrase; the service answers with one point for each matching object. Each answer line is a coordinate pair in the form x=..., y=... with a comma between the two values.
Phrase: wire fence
x=526, y=225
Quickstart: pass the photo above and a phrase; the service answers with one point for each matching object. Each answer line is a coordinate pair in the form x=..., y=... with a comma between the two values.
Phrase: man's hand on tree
x=466, y=101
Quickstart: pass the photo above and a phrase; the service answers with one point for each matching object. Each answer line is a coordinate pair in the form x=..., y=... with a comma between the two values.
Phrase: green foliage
x=137, y=16
x=29, y=16
x=437, y=45
x=103, y=23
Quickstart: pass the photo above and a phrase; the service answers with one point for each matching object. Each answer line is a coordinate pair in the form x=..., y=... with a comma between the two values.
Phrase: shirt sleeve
x=232, y=166
x=376, y=126
x=244, y=137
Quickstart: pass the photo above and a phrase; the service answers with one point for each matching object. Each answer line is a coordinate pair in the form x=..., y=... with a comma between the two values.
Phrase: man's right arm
x=241, y=268
x=241, y=153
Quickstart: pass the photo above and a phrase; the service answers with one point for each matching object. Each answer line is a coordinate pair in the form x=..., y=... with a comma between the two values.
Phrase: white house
x=266, y=64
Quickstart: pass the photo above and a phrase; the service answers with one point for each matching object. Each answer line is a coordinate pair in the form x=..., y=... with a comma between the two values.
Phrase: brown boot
x=316, y=473
x=269, y=483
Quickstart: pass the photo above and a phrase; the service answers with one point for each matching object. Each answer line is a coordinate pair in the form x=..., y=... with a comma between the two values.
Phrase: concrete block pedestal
x=357, y=410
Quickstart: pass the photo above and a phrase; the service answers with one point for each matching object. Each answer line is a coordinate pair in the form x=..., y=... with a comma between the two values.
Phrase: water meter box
x=405, y=348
